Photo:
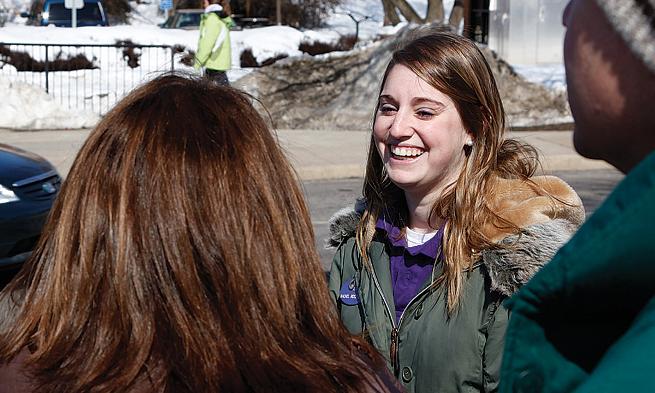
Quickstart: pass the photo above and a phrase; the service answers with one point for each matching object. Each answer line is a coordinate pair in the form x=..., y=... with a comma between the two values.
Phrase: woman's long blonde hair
x=455, y=66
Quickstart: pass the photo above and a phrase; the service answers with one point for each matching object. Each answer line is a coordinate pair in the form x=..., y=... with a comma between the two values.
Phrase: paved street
x=316, y=155
x=322, y=155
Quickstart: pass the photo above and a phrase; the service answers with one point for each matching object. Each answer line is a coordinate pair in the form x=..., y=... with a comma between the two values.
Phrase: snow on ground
x=28, y=107
x=98, y=89
x=550, y=75
x=265, y=43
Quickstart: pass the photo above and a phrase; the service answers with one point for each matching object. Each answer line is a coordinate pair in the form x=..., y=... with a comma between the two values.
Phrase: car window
x=188, y=20
x=90, y=12
x=58, y=12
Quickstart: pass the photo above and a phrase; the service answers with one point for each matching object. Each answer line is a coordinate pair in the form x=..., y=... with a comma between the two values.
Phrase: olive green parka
x=435, y=352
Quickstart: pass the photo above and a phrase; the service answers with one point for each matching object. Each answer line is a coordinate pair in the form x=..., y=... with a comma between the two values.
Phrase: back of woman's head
x=179, y=256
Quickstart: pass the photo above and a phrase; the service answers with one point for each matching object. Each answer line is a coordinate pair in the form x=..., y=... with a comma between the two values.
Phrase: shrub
x=116, y=10
x=25, y=62
x=131, y=52
x=346, y=42
x=297, y=13
x=247, y=59
x=188, y=56
x=273, y=59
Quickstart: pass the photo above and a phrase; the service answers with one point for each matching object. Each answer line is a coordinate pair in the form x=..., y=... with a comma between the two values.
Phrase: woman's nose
x=401, y=127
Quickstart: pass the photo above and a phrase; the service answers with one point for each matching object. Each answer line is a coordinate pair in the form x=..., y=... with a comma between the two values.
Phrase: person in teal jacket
x=214, y=49
x=586, y=322
x=453, y=221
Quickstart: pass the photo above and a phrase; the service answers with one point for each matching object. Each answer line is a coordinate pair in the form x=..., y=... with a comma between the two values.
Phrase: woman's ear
x=469, y=141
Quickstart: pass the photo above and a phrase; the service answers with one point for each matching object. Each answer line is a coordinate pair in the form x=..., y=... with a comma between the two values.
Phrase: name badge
x=348, y=293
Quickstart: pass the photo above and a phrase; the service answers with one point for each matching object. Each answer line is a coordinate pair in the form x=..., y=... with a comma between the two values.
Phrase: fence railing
x=86, y=77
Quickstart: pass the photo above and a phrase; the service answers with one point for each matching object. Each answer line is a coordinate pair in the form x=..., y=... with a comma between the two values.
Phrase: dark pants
x=219, y=77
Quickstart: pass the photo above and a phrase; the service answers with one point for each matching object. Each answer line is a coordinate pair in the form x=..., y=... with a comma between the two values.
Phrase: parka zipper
x=393, y=350
x=395, y=361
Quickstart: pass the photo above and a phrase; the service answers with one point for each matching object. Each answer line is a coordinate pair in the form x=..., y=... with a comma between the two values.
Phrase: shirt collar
x=430, y=248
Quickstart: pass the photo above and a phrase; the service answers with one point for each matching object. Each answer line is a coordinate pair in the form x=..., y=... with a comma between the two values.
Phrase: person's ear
x=468, y=143
x=470, y=139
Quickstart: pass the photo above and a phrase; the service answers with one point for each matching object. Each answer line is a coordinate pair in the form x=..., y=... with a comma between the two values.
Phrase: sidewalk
x=340, y=154
x=316, y=155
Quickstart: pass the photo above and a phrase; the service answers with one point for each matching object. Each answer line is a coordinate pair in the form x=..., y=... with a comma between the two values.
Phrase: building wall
x=527, y=31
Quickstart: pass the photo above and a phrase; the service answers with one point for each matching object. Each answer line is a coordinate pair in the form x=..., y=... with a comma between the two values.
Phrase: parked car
x=248, y=22
x=189, y=19
x=28, y=187
x=4, y=15
x=55, y=13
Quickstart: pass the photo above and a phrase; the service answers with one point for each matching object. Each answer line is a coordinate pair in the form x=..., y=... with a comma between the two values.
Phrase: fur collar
x=545, y=224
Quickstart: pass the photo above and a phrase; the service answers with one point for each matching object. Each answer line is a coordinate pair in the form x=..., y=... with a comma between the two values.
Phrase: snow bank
x=27, y=107
x=19, y=109
x=552, y=76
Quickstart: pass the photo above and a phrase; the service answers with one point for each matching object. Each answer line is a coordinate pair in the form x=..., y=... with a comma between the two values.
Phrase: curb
x=562, y=162
x=329, y=172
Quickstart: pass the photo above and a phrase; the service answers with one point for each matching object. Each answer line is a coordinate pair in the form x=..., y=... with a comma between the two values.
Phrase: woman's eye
x=424, y=114
x=386, y=108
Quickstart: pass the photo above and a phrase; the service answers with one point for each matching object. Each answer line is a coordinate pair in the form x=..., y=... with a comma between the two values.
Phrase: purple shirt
x=410, y=266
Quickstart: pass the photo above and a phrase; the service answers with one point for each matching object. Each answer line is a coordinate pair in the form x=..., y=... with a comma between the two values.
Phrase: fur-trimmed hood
x=546, y=224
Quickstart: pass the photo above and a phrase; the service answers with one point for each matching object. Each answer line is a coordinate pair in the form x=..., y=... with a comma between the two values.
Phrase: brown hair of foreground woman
x=179, y=258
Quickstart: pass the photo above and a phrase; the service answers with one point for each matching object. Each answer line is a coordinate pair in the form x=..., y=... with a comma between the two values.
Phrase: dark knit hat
x=634, y=20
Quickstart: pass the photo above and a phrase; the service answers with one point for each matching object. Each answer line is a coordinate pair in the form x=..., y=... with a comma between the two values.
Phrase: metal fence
x=86, y=77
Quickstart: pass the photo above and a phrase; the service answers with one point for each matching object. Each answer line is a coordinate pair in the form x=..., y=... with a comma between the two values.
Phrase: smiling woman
x=452, y=221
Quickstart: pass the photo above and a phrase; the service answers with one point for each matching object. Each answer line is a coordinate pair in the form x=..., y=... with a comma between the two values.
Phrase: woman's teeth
x=406, y=152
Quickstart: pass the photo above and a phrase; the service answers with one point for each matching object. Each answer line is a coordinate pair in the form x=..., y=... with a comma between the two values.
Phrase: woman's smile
x=405, y=153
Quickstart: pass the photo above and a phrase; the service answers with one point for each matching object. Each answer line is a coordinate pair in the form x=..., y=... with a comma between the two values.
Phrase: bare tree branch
x=435, y=11
x=407, y=11
x=390, y=15
x=456, y=15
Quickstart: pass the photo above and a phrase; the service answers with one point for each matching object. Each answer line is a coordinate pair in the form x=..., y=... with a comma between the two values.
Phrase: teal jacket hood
x=586, y=322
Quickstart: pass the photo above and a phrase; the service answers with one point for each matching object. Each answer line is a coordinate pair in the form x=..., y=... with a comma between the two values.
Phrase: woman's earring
x=468, y=147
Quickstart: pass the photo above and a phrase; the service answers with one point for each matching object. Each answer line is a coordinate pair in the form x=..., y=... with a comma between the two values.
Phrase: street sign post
x=74, y=5
x=166, y=6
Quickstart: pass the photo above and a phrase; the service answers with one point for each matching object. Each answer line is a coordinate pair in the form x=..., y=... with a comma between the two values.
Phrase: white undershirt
x=416, y=238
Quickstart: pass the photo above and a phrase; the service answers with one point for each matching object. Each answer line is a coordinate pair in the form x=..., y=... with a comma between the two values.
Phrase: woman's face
x=419, y=133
